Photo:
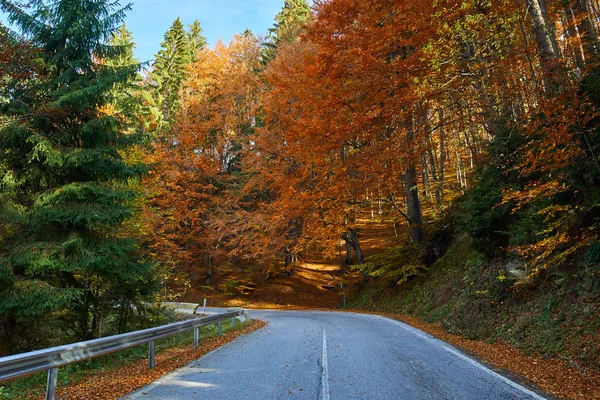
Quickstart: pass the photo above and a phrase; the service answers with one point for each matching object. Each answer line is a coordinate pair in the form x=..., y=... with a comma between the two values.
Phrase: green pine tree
x=289, y=25
x=61, y=161
x=125, y=98
x=169, y=70
x=123, y=38
x=163, y=97
x=195, y=40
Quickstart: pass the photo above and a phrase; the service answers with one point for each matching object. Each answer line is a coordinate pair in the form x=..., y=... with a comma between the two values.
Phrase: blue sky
x=150, y=19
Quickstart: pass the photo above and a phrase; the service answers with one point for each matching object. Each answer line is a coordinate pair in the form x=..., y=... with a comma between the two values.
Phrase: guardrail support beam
x=151, y=355
x=51, y=385
x=196, y=337
x=220, y=328
x=232, y=322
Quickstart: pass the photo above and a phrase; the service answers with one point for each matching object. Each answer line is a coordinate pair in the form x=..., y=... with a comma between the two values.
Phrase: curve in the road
x=333, y=355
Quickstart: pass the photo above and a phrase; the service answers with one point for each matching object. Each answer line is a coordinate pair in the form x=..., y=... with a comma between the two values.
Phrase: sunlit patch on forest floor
x=314, y=283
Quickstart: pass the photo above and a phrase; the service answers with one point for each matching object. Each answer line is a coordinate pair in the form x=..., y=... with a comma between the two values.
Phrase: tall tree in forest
x=193, y=213
x=125, y=100
x=356, y=126
x=122, y=38
x=62, y=157
x=549, y=52
x=169, y=70
x=196, y=41
x=178, y=49
x=289, y=25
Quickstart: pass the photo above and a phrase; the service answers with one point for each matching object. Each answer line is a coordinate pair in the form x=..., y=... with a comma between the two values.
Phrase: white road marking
x=325, y=367
x=474, y=363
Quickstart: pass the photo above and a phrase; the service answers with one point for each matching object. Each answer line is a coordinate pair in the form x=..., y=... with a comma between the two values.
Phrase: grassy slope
x=473, y=297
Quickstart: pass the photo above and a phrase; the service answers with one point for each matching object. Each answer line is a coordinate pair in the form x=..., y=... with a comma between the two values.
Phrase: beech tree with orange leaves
x=199, y=159
x=341, y=120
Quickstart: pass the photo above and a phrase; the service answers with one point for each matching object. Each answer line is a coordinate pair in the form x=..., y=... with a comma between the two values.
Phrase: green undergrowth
x=35, y=385
x=475, y=297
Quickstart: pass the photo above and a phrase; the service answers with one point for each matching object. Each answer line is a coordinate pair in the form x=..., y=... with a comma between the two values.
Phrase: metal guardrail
x=53, y=358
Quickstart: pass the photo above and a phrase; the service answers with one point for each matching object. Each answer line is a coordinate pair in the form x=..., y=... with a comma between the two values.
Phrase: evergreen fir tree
x=169, y=70
x=125, y=99
x=196, y=41
x=61, y=158
x=289, y=25
x=180, y=48
x=123, y=38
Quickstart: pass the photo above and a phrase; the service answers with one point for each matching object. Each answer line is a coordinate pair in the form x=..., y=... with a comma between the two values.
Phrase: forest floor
x=313, y=286
x=316, y=283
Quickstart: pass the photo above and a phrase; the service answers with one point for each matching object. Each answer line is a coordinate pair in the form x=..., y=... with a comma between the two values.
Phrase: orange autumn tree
x=560, y=133
x=197, y=164
x=396, y=104
x=401, y=95
x=341, y=121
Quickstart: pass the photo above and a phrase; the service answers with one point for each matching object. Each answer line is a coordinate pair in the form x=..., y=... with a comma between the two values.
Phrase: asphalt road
x=328, y=355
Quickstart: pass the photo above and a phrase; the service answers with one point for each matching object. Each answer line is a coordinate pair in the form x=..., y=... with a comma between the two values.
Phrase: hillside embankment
x=546, y=330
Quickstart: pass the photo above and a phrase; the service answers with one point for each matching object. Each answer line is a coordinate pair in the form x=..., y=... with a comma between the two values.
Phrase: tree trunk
x=123, y=316
x=353, y=246
x=573, y=43
x=290, y=262
x=546, y=42
x=427, y=179
x=209, y=268
x=348, y=260
x=588, y=30
x=593, y=16
x=442, y=166
x=413, y=203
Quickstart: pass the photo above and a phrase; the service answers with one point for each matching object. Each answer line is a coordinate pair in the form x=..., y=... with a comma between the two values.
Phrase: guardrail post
x=220, y=328
x=151, y=355
x=232, y=322
x=196, y=337
x=51, y=385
